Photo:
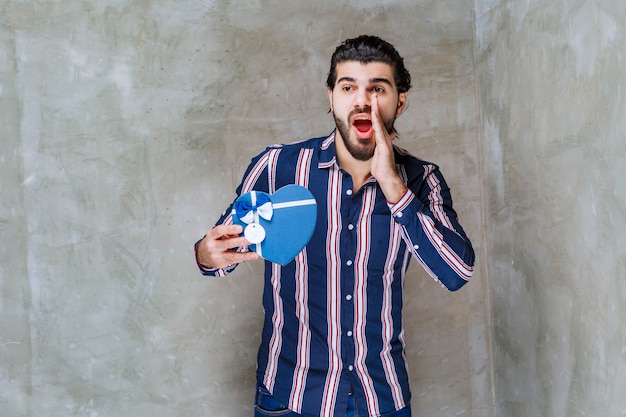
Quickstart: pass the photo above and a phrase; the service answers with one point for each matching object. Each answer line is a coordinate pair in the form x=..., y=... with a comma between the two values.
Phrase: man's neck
x=359, y=173
x=358, y=170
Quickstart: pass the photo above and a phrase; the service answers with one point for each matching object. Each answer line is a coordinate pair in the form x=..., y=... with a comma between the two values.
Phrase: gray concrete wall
x=126, y=126
x=551, y=88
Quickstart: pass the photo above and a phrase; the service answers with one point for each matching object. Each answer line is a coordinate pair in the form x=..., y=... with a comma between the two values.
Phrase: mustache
x=360, y=110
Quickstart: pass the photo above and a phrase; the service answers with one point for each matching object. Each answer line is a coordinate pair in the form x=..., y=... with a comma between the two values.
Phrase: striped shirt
x=333, y=316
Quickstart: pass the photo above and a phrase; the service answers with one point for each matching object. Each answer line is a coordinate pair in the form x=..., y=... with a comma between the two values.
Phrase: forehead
x=365, y=73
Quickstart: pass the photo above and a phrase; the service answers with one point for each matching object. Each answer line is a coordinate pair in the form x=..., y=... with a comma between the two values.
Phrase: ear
x=402, y=97
x=330, y=98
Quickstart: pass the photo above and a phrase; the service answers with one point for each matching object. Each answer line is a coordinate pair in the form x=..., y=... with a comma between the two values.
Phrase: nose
x=363, y=98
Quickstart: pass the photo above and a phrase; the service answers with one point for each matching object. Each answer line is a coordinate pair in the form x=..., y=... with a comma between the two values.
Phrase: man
x=332, y=341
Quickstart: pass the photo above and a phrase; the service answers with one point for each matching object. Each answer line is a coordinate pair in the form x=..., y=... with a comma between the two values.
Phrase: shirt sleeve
x=431, y=229
x=255, y=177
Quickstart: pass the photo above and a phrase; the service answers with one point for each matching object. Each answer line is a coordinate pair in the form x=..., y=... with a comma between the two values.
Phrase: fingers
x=225, y=230
x=215, y=251
x=231, y=257
x=375, y=115
x=383, y=166
x=224, y=237
x=380, y=130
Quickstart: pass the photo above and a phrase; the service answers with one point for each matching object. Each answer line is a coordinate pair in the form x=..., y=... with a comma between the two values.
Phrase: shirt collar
x=328, y=156
x=328, y=153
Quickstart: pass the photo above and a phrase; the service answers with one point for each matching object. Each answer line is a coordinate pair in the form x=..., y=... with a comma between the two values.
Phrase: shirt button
x=350, y=227
x=349, y=263
x=399, y=214
x=349, y=192
x=416, y=247
x=349, y=297
x=349, y=333
x=350, y=368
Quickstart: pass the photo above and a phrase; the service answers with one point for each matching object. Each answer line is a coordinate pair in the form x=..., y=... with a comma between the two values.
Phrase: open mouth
x=363, y=127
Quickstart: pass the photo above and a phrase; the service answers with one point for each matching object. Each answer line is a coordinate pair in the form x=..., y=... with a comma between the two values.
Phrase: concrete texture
x=125, y=127
x=551, y=78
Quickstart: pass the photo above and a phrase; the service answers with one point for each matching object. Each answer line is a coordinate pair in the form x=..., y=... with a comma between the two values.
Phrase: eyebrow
x=371, y=81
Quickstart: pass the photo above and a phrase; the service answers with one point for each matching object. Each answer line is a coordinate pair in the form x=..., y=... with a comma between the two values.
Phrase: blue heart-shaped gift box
x=285, y=221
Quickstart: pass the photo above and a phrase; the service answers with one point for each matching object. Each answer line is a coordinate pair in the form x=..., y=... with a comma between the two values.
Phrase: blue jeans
x=268, y=406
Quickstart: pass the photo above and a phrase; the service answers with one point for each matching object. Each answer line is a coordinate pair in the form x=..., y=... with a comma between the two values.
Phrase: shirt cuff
x=399, y=208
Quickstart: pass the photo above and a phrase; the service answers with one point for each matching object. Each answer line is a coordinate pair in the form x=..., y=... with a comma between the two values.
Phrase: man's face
x=350, y=102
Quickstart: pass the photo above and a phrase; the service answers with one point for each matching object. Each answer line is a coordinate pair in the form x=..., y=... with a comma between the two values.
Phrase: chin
x=362, y=154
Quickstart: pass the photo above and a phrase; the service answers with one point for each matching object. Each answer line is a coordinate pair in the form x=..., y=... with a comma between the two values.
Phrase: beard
x=359, y=151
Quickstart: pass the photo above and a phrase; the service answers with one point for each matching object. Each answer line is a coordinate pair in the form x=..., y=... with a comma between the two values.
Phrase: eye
x=347, y=88
x=379, y=89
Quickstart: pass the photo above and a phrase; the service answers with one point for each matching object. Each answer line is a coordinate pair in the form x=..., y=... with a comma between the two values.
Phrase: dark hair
x=365, y=49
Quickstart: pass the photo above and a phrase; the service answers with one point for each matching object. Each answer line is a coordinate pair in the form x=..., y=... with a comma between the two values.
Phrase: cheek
x=389, y=112
x=339, y=107
x=395, y=109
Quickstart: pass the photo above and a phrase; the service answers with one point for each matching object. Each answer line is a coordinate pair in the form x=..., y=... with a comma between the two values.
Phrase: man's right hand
x=215, y=250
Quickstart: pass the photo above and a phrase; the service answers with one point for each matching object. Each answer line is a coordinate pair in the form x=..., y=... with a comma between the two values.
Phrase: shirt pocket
x=267, y=405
